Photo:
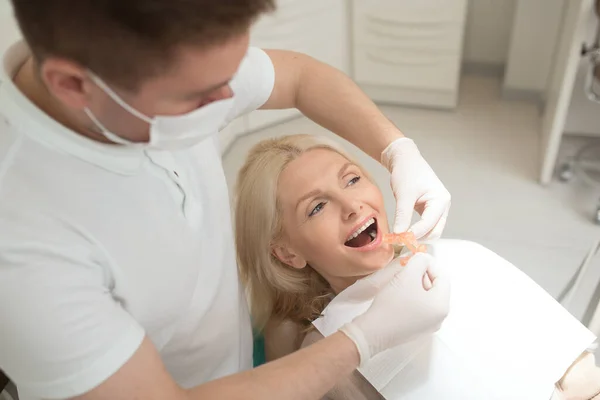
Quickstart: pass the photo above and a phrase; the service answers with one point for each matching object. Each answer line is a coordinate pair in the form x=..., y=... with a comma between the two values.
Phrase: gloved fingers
x=441, y=283
x=405, y=206
x=441, y=293
x=433, y=272
x=414, y=271
x=427, y=281
x=372, y=284
x=383, y=276
x=437, y=231
x=432, y=215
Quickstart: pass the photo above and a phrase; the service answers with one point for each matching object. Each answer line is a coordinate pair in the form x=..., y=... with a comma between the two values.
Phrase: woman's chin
x=383, y=255
x=378, y=260
x=359, y=269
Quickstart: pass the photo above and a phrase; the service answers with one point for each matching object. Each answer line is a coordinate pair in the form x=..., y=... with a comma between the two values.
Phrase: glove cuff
x=361, y=343
x=399, y=144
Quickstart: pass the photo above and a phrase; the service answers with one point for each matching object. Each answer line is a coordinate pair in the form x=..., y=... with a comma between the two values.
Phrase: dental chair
x=4, y=381
x=591, y=317
x=586, y=162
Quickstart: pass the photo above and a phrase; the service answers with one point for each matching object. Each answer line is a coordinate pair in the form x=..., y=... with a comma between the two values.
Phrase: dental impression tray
x=404, y=241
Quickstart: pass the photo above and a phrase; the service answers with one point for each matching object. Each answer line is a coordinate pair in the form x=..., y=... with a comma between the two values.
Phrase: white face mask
x=169, y=132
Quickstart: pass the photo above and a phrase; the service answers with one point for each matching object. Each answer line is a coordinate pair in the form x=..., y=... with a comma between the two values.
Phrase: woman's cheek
x=321, y=231
x=322, y=246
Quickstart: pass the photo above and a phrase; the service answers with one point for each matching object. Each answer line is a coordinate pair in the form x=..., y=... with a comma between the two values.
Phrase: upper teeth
x=362, y=228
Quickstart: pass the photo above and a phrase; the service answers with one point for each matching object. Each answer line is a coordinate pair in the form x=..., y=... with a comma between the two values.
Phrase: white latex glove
x=402, y=309
x=416, y=187
x=581, y=381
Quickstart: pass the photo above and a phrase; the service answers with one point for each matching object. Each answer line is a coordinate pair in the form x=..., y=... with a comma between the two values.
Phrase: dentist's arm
x=311, y=372
x=331, y=99
x=306, y=374
x=334, y=101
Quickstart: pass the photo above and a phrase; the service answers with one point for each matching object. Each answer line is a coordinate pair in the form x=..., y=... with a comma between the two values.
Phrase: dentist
x=118, y=276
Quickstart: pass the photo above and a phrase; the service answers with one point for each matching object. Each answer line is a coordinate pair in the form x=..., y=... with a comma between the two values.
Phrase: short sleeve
x=61, y=331
x=253, y=83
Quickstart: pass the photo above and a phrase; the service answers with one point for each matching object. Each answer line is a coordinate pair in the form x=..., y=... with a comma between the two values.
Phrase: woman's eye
x=318, y=208
x=354, y=181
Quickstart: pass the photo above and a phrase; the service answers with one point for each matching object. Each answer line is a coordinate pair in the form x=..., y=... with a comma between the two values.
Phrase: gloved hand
x=581, y=381
x=416, y=187
x=402, y=309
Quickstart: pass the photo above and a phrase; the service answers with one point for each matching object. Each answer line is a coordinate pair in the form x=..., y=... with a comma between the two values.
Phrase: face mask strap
x=109, y=135
x=117, y=99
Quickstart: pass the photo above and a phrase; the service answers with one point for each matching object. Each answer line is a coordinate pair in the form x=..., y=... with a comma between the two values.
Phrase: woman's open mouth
x=364, y=235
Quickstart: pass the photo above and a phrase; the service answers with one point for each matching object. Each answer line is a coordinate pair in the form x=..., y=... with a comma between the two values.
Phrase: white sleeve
x=61, y=331
x=253, y=83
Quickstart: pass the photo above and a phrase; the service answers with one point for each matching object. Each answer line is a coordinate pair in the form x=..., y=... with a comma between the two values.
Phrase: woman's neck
x=339, y=284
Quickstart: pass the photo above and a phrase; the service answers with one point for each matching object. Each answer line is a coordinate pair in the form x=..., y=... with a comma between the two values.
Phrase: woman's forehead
x=312, y=171
x=313, y=164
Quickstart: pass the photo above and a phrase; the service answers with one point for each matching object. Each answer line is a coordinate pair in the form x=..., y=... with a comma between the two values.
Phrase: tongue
x=361, y=240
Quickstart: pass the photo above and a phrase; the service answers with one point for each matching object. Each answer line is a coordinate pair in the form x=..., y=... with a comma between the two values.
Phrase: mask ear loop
x=117, y=99
x=108, y=134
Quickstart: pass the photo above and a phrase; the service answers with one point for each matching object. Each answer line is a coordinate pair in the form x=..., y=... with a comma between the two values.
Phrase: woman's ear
x=288, y=256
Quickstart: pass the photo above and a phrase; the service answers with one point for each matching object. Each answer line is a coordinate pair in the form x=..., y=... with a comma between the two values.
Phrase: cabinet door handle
x=431, y=61
x=380, y=20
x=285, y=27
x=409, y=34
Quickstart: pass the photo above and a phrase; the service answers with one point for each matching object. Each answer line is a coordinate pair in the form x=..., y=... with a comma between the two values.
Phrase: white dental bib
x=504, y=338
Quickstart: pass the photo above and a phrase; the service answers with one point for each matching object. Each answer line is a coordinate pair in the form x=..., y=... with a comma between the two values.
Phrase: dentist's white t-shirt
x=103, y=244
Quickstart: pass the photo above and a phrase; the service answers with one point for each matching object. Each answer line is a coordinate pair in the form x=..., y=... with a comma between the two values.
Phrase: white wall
x=534, y=40
x=4, y=7
x=9, y=32
x=487, y=35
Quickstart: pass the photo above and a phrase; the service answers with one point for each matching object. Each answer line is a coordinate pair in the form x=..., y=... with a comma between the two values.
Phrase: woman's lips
x=375, y=243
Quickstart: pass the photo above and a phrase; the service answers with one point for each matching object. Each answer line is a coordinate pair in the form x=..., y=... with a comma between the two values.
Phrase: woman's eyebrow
x=308, y=195
x=344, y=168
x=314, y=193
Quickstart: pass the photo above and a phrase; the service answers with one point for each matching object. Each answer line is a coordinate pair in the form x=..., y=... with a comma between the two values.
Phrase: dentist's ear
x=288, y=256
x=67, y=81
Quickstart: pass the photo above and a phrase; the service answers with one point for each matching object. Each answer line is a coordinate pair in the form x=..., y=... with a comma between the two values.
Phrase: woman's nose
x=351, y=209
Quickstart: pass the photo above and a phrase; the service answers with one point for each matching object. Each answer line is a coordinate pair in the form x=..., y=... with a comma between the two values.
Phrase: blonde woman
x=309, y=223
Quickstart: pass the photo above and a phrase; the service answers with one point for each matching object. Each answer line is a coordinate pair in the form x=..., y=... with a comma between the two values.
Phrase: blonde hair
x=275, y=290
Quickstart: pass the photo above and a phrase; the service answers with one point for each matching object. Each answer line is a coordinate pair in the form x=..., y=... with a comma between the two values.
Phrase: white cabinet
x=314, y=27
x=403, y=51
x=407, y=51
x=9, y=31
x=537, y=25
